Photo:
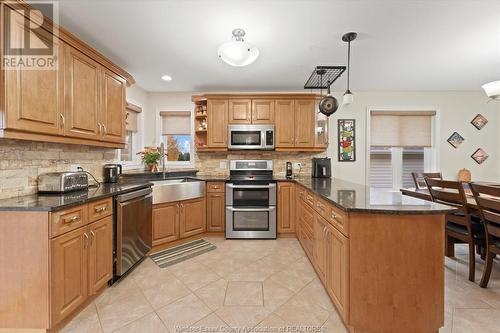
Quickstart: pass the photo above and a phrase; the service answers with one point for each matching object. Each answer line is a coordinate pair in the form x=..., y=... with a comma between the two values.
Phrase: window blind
x=131, y=118
x=380, y=170
x=401, y=128
x=176, y=122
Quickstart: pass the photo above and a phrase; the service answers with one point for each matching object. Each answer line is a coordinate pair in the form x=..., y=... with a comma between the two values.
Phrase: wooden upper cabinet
x=192, y=217
x=262, y=111
x=100, y=254
x=69, y=273
x=33, y=98
x=112, y=118
x=305, y=121
x=285, y=124
x=217, y=111
x=286, y=207
x=82, y=92
x=240, y=111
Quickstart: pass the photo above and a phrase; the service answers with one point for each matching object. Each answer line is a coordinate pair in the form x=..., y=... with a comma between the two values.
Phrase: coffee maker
x=322, y=168
x=112, y=172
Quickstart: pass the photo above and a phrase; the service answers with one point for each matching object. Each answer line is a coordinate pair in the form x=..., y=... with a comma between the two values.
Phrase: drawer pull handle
x=86, y=240
x=100, y=209
x=72, y=219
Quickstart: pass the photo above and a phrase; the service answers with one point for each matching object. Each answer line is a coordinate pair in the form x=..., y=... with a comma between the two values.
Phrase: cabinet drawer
x=215, y=187
x=307, y=217
x=308, y=198
x=322, y=207
x=338, y=219
x=68, y=219
x=100, y=209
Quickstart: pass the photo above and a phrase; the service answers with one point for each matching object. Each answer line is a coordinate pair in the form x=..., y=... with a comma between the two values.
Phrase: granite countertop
x=54, y=202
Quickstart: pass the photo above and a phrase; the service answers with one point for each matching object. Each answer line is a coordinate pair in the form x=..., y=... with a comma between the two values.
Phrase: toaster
x=61, y=182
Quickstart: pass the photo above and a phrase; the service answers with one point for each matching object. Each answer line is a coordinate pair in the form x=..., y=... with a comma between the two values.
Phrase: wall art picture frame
x=480, y=155
x=455, y=140
x=347, y=140
x=479, y=121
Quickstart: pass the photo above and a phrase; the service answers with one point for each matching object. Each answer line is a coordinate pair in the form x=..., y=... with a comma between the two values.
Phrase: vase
x=153, y=167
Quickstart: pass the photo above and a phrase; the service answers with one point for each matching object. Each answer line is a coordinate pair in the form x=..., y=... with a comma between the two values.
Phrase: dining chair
x=419, y=178
x=461, y=226
x=488, y=202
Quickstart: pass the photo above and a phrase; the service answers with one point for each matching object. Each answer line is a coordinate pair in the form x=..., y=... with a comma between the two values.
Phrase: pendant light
x=237, y=52
x=492, y=90
x=348, y=38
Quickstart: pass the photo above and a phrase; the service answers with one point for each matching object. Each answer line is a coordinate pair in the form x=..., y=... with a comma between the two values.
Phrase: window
x=177, y=137
x=400, y=143
x=127, y=154
x=133, y=136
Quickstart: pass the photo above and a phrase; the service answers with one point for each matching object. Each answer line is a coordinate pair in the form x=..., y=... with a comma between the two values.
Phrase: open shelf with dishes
x=200, y=124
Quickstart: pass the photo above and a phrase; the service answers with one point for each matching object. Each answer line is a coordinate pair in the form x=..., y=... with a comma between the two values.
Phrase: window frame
x=159, y=131
x=137, y=143
x=431, y=158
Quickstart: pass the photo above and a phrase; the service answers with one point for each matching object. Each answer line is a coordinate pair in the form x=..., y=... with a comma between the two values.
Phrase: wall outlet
x=223, y=165
x=74, y=167
x=297, y=165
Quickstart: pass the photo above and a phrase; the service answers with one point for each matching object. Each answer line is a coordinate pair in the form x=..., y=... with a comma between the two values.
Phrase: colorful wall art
x=479, y=121
x=480, y=156
x=347, y=147
x=455, y=140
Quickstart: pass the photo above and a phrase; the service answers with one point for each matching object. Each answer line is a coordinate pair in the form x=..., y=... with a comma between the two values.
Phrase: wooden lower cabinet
x=165, y=223
x=216, y=204
x=320, y=246
x=100, y=254
x=286, y=207
x=192, y=220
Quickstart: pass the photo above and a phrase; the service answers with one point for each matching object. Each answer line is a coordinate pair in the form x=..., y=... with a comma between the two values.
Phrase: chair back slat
x=419, y=178
x=488, y=201
x=447, y=192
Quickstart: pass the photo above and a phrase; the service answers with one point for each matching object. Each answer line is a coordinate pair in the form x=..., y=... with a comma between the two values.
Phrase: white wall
x=455, y=110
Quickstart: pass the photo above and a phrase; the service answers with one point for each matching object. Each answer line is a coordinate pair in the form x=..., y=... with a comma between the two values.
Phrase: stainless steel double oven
x=251, y=200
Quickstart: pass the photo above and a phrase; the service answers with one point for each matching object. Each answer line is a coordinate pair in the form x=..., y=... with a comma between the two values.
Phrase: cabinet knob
x=92, y=233
x=72, y=219
x=85, y=241
x=100, y=209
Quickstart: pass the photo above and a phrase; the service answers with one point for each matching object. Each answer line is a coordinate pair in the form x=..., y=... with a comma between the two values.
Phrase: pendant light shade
x=492, y=89
x=237, y=52
x=348, y=38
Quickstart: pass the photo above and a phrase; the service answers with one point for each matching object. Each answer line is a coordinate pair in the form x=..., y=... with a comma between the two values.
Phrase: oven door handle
x=251, y=186
x=251, y=209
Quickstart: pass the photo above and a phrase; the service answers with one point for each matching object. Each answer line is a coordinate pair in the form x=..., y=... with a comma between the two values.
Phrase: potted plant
x=150, y=157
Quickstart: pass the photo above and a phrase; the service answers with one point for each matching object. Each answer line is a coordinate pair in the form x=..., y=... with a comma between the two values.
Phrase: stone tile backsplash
x=22, y=161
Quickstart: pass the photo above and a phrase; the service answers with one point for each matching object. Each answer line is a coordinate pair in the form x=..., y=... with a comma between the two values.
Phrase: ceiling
x=403, y=45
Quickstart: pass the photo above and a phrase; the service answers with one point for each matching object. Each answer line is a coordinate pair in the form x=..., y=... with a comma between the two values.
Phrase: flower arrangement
x=150, y=157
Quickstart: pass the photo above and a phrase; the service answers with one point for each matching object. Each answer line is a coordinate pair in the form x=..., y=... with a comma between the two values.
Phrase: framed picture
x=480, y=156
x=479, y=121
x=455, y=140
x=347, y=146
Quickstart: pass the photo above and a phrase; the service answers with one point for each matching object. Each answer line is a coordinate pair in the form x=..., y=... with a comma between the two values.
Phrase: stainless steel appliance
x=259, y=137
x=251, y=200
x=322, y=168
x=112, y=172
x=289, y=171
x=132, y=229
x=62, y=182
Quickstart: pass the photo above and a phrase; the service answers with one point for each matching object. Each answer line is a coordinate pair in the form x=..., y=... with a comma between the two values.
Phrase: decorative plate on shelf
x=479, y=121
x=455, y=140
x=480, y=156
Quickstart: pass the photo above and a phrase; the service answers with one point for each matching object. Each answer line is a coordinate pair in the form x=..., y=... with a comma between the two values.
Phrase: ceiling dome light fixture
x=492, y=90
x=348, y=38
x=237, y=52
x=166, y=78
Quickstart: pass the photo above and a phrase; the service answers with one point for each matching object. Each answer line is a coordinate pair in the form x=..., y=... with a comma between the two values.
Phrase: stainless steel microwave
x=260, y=137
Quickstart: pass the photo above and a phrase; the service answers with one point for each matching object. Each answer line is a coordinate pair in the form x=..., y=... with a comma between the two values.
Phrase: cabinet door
x=320, y=244
x=262, y=111
x=337, y=269
x=304, y=123
x=215, y=211
x=217, y=123
x=69, y=273
x=321, y=128
x=112, y=116
x=192, y=217
x=286, y=208
x=33, y=98
x=240, y=111
x=165, y=223
x=285, y=124
x=82, y=95
x=100, y=254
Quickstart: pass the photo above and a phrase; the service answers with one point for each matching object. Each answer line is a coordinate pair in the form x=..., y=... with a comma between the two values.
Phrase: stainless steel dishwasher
x=132, y=229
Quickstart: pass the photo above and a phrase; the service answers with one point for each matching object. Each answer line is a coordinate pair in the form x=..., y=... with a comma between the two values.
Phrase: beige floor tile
x=292, y=278
x=86, y=321
x=275, y=294
x=224, y=267
x=257, y=271
x=211, y=323
x=240, y=317
x=315, y=293
x=244, y=293
x=213, y=294
x=123, y=289
x=194, y=275
x=152, y=277
x=149, y=323
x=183, y=312
x=298, y=313
x=334, y=325
x=118, y=314
x=272, y=323
x=476, y=320
x=167, y=292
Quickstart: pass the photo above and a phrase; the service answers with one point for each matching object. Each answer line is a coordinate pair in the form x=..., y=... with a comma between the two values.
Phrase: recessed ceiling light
x=166, y=78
